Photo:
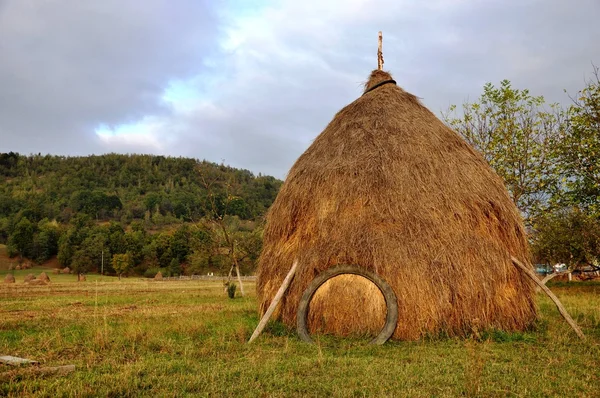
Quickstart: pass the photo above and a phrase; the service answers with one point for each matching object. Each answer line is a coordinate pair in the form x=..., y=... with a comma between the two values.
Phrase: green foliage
x=81, y=262
x=517, y=136
x=175, y=267
x=45, y=241
x=579, y=156
x=154, y=208
x=122, y=263
x=151, y=272
x=567, y=236
x=231, y=290
x=22, y=237
x=111, y=186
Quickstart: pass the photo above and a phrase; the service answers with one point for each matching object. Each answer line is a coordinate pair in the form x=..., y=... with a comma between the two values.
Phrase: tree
x=518, y=138
x=579, y=156
x=180, y=243
x=22, y=237
x=175, y=267
x=45, y=241
x=81, y=262
x=217, y=215
x=122, y=263
x=567, y=236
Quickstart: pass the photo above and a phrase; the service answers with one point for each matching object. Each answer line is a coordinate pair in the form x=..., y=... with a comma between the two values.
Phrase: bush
x=231, y=290
x=151, y=272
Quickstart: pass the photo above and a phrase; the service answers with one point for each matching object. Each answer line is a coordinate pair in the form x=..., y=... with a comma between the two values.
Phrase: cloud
x=68, y=66
x=252, y=84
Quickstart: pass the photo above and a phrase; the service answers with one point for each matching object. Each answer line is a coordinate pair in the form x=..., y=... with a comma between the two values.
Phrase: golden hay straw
x=391, y=188
x=343, y=297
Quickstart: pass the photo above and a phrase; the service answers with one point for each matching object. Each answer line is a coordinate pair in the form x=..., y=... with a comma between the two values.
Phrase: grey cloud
x=69, y=65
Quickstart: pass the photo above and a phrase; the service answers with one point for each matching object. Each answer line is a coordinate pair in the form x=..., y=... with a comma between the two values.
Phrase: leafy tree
x=66, y=247
x=134, y=244
x=81, y=262
x=180, y=243
x=579, y=155
x=122, y=263
x=517, y=136
x=22, y=237
x=96, y=248
x=45, y=242
x=116, y=240
x=567, y=236
x=175, y=267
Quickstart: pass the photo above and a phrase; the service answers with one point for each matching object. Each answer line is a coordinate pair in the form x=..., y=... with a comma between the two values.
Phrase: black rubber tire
x=387, y=291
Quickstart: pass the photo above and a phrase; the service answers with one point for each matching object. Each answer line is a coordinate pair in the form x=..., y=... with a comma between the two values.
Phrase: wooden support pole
x=557, y=302
x=380, y=52
x=237, y=271
x=276, y=300
x=15, y=361
x=549, y=277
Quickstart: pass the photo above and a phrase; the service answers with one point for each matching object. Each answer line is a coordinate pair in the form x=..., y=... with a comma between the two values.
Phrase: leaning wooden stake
x=560, y=307
x=380, y=52
x=276, y=300
x=237, y=271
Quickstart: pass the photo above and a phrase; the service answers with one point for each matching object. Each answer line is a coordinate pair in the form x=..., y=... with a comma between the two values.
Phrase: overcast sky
x=252, y=83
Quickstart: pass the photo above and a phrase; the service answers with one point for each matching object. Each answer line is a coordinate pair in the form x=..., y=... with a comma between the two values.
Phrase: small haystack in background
x=29, y=277
x=158, y=276
x=9, y=278
x=389, y=187
x=44, y=277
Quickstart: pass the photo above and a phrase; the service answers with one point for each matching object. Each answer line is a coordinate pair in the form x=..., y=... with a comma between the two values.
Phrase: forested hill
x=132, y=213
x=128, y=187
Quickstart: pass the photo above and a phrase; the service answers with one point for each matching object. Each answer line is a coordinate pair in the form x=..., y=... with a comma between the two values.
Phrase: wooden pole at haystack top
x=380, y=52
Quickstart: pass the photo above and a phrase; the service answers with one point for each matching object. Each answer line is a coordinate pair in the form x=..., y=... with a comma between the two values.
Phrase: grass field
x=146, y=338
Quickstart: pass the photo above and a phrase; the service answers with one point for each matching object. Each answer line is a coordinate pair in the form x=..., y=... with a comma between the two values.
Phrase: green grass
x=146, y=338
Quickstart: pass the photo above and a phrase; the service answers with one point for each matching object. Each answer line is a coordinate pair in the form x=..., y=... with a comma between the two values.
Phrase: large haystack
x=389, y=187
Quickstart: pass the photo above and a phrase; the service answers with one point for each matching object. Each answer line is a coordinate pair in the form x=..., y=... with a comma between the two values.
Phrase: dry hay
x=9, y=278
x=44, y=277
x=81, y=278
x=347, y=296
x=158, y=276
x=18, y=268
x=29, y=277
x=391, y=188
x=66, y=270
x=37, y=282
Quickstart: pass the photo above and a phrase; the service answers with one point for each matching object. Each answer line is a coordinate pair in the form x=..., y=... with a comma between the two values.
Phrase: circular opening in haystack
x=348, y=306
